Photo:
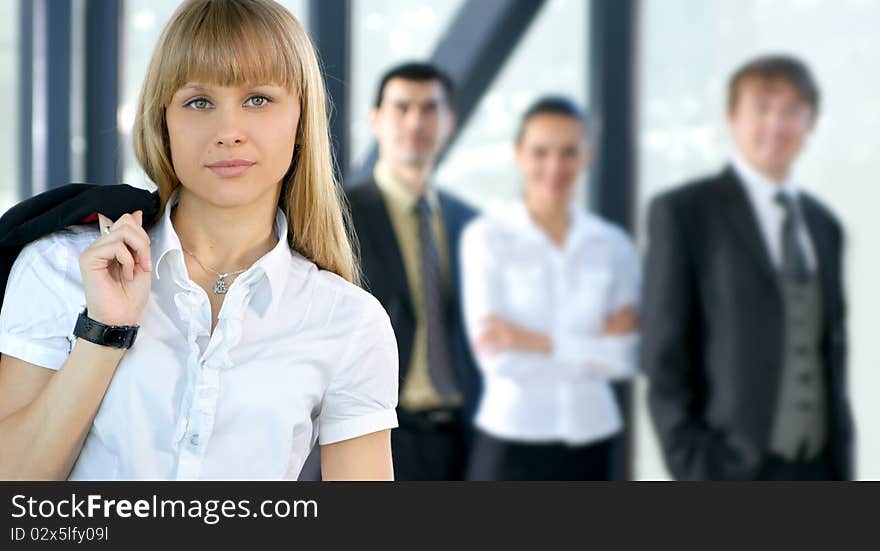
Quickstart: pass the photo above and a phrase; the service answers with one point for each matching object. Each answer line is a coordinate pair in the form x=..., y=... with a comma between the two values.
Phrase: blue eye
x=258, y=101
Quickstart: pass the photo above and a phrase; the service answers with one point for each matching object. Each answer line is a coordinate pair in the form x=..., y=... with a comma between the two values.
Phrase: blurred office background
x=652, y=72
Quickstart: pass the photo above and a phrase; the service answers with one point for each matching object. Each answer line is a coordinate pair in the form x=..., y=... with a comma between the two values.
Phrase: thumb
x=139, y=216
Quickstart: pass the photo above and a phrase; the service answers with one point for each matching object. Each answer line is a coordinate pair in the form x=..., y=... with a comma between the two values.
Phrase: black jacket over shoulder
x=713, y=330
x=65, y=206
x=385, y=277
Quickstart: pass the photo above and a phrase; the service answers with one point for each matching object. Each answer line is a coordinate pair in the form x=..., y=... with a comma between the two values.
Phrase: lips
x=230, y=167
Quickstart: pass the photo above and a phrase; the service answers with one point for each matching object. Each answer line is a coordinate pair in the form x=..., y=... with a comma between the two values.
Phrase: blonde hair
x=229, y=43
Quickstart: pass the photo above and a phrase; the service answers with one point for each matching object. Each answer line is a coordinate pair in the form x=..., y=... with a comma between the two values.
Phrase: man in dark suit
x=743, y=312
x=409, y=234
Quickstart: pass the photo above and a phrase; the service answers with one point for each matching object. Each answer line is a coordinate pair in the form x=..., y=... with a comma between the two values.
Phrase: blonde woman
x=253, y=341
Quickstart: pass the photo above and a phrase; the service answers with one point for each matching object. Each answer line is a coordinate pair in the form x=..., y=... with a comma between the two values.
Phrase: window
x=480, y=166
x=9, y=82
x=385, y=33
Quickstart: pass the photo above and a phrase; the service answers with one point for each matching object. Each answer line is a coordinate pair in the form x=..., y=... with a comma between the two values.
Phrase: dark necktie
x=439, y=362
x=794, y=259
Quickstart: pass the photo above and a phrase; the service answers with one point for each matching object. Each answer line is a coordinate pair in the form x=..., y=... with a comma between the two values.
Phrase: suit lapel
x=741, y=216
x=822, y=245
x=383, y=239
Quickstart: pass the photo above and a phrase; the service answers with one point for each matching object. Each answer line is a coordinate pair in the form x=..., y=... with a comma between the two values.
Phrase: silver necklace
x=220, y=286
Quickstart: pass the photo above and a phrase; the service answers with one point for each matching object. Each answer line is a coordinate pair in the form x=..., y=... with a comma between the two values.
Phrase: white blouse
x=298, y=355
x=512, y=270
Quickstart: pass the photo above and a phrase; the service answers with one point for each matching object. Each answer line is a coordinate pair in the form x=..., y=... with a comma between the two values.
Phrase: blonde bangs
x=230, y=44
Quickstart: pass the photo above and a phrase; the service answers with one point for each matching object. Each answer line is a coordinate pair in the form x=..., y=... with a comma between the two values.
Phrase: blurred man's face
x=770, y=122
x=413, y=122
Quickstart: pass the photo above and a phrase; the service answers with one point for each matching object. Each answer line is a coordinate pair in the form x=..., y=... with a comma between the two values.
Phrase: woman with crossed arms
x=550, y=300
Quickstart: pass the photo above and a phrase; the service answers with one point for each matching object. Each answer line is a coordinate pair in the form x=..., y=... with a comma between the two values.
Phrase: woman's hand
x=116, y=271
x=623, y=322
x=499, y=335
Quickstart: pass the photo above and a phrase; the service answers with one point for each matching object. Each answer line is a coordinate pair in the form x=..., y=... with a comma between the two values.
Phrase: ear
x=813, y=121
x=730, y=114
x=518, y=153
x=589, y=153
x=374, y=121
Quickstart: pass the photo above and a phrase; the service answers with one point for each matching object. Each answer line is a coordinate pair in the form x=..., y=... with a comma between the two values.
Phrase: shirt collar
x=581, y=227
x=274, y=264
x=759, y=186
x=399, y=192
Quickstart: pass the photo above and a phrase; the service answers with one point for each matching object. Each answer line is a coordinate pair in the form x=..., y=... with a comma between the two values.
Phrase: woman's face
x=232, y=145
x=552, y=152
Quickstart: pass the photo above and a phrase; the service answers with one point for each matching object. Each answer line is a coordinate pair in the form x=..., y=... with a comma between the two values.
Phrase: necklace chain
x=220, y=286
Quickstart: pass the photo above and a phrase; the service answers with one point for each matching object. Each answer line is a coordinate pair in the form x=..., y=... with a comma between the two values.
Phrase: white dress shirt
x=298, y=355
x=770, y=214
x=511, y=269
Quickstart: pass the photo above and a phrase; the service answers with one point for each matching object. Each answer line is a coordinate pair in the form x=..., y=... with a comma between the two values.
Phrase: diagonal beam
x=479, y=40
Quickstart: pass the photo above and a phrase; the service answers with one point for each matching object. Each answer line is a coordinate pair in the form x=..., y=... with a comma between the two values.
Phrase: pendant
x=220, y=287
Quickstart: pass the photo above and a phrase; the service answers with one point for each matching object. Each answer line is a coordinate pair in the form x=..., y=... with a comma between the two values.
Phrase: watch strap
x=114, y=336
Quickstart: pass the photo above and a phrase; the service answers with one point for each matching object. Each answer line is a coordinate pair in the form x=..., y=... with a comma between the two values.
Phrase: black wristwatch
x=115, y=336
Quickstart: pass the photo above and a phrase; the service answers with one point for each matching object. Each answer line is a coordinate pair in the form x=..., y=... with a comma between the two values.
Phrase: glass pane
x=682, y=134
x=9, y=186
x=142, y=25
x=384, y=33
x=480, y=166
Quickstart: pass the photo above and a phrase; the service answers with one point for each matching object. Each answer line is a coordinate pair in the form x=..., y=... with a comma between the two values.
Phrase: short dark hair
x=419, y=72
x=552, y=105
x=776, y=67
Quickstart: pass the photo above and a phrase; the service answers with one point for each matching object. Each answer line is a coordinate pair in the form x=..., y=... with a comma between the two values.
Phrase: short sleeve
x=42, y=301
x=626, y=289
x=362, y=396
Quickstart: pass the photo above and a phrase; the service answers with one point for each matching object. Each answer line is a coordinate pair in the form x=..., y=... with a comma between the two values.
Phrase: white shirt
x=298, y=355
x=512, y=270
x=770, y=214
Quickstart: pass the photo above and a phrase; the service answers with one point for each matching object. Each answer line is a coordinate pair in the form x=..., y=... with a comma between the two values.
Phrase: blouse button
x=194, y=439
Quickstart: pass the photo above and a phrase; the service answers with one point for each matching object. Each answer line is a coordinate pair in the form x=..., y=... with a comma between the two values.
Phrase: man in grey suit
x=743, y=313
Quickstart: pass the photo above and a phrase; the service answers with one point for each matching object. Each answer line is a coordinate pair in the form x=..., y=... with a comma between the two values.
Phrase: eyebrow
x=407, y=102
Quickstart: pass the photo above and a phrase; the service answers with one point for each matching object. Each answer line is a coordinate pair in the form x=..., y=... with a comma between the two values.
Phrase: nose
x=414, y=118
x=554, y=165
x=230, y=131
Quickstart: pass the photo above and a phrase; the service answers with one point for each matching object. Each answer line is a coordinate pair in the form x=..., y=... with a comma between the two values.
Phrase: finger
x=123, y=256
x=487, y=339
x=127, y=219
x=107, y=253
x=136, y=239
x=138, y=250
x=104, y=224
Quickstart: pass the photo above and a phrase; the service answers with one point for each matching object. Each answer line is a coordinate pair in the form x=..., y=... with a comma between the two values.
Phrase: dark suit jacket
x=64, y=206
x=385, y=277
x=712, y=330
